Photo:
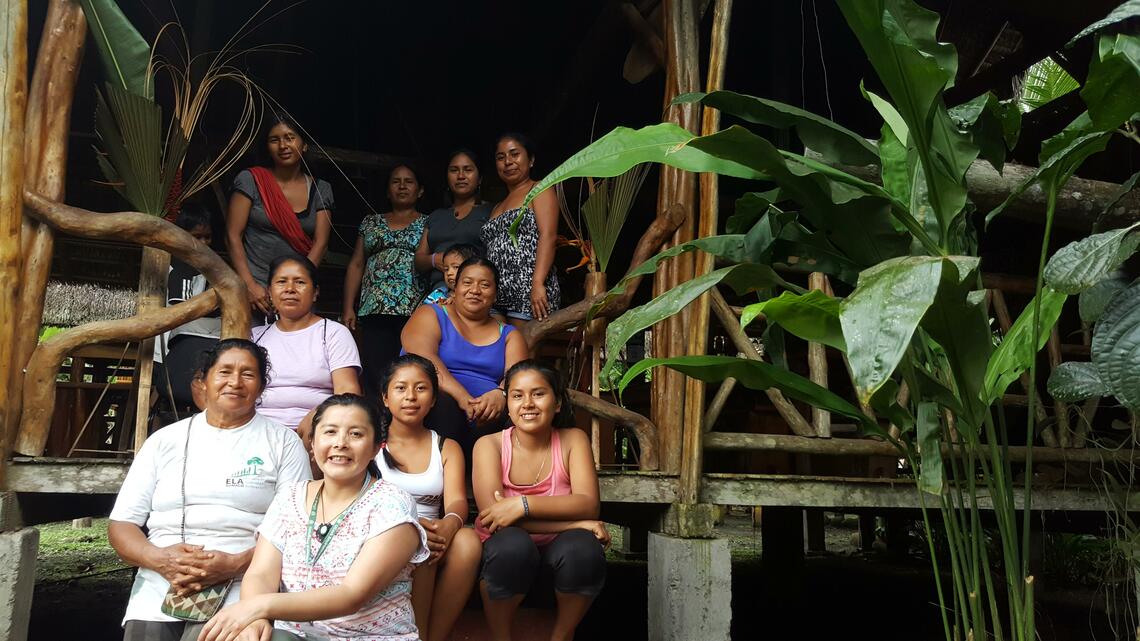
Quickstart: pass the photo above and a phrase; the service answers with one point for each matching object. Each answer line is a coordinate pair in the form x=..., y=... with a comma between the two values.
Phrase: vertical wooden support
x=595, y=339
x=45, y=151
x=698, y=328
x=676, y=189
x=152, y=295
x=13, y=102
x=817, y=366
x=1060, y=408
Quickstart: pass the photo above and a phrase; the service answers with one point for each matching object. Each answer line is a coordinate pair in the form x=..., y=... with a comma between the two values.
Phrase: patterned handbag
x=199, y=606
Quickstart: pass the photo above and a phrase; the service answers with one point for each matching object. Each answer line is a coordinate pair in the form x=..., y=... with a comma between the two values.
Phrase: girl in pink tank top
x=538, y=501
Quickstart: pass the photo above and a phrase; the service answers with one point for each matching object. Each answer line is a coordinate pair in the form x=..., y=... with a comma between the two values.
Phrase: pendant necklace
x=541, y=464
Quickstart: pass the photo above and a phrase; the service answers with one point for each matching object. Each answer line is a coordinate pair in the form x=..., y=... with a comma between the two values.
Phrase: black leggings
x=379, y=346
x=512, y=562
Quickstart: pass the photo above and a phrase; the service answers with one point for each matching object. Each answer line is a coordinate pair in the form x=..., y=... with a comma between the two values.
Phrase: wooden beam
x=45, y=161
x=1079, y=204
x=692, y=451
x=817, y=366
x=68, y=476
x=642, y=427
x=13, y=104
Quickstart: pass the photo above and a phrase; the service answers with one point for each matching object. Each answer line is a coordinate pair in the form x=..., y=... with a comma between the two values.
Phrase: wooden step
x=531, y=624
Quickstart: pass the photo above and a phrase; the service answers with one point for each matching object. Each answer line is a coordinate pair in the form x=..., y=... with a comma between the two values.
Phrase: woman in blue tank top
x=471, y=351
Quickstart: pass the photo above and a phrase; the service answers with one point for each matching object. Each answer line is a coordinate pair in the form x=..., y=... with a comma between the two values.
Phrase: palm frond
x=1044, y=82
x=606, y=210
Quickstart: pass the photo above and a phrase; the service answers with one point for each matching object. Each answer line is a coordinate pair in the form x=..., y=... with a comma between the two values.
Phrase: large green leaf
x=836, y=142
x=892, y=119
x=993, y=126
x=618, y=151
x=1084, y=263
x=894, y=169
x=742, y=278
x=813, y=316
x=756, y=375
x=123, y=52
x=1016, y=352
x=750, y=208
x=958, y=322
x=1113, y=83
x=880, y=316
x=930, y=448
x=1125, y=187
x=1116, y=347
x=1123, y=11
x=1073, y=381
x=1093, y=301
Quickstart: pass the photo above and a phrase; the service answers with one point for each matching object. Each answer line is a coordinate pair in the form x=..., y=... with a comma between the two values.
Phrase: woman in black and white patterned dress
x=528, y=288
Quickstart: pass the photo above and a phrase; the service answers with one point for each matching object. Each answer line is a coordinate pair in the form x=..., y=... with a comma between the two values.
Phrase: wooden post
x=14, y=81
x=45, y=153
x=151, y=296
x=595, y=339
x=676, y=188
x=817, y=366
x=698, y=326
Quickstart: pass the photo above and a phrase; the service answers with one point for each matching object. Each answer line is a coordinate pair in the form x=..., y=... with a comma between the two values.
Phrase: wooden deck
x=102, y=476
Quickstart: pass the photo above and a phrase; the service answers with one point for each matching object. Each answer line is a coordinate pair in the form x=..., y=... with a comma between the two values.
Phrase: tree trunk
x=155, y=265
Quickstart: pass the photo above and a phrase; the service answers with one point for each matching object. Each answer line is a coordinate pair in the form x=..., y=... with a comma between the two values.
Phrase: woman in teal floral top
x=383, y=272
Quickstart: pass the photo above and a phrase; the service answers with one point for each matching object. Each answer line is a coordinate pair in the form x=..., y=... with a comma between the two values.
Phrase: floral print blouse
x=391, y=284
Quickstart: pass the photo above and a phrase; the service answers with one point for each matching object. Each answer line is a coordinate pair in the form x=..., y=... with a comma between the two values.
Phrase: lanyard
x=333, y=527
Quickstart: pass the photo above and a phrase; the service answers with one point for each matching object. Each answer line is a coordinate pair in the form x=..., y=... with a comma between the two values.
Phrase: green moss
x=66, y=552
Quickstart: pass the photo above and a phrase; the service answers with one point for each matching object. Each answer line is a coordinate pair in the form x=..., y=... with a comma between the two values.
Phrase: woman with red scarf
x=277, y=211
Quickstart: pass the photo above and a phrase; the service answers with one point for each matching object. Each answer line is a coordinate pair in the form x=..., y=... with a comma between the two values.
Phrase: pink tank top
x=557, y=483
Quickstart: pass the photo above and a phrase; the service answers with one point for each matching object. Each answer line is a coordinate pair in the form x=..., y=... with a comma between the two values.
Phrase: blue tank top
x=479, y=368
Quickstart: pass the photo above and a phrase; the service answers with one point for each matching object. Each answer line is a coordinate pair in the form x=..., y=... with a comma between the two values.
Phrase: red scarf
x=280, y=212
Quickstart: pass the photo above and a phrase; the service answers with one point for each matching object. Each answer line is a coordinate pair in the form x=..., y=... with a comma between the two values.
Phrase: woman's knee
x=465, y=549
x=510, y=563
x=578, y=563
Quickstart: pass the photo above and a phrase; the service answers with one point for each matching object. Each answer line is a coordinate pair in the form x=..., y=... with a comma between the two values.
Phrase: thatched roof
x=71, y=304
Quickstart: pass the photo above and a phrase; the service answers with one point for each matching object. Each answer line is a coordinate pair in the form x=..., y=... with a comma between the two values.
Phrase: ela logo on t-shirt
x=249, y=475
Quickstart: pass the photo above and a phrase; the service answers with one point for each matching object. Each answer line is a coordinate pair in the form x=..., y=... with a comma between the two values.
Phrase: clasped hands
x=487, y=407
x=192, y=568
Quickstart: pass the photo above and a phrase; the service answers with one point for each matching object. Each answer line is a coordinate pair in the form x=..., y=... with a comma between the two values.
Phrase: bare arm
x=546, y=216
x=264, y=573
x=346, y=380
x=185, y=566
x=441, y=531
x=353, y=279
x=237, y=217
x=487, y=471
x=517, y=350
x=423, y=258
x=421, y=335
x=321, y=236
x=380, y=560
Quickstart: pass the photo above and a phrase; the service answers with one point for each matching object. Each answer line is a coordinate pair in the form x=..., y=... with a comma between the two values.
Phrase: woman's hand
x=258, y=296
x=598, y=529
x=233, y=620
x=175, y=560
x=348, y=318
x=488, y=407
x=539, y=304
x=208, y=567
x=504, y=513
x=439, y=535
x=259, y=630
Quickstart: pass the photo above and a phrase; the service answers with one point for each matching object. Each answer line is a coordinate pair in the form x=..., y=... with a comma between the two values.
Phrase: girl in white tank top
x=431, y=470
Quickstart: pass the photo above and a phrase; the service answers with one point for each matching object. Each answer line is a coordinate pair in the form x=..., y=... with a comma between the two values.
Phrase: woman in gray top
x=459, y=224
x=278, y=210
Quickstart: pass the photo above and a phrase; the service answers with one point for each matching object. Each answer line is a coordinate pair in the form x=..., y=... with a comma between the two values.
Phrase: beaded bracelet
x=526, y=507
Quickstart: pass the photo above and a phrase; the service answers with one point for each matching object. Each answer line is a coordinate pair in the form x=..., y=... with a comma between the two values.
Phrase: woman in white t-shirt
x=313, y=357
x=342, y=548
x=201, y=487
x=431, y=469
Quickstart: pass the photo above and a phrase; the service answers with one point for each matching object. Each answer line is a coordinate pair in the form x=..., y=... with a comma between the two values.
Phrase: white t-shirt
x=231, y=479
x=388, y=616
x=301, y=366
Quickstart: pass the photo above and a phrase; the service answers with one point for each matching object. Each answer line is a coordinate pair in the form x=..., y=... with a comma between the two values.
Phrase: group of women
x=240, y=541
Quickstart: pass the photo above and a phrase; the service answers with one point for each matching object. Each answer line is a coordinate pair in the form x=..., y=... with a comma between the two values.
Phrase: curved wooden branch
x=574, y=315
x=643, y=429
x=45, y=161
x=39, y=380
x=153, y=231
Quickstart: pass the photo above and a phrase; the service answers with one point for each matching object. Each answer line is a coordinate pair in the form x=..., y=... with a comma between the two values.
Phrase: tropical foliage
x=915, y=317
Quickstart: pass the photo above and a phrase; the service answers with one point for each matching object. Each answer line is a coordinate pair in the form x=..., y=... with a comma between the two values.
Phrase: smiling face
x=403, y=188
x=233, y=385
x=475, y=290
x=462, y=176
x=409, y=395
x=285, y=145
x=344, y=442
x=292, y=290
x=531, y=401
x=512, y=161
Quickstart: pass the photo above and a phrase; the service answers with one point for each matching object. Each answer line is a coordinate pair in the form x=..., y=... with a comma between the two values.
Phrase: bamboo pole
x=45, y=151
x=153, y=268
x=595, y=336
x=676, y=188
x=14, y=82
x=1060, y=408
x=817, y=366
x=692, y=450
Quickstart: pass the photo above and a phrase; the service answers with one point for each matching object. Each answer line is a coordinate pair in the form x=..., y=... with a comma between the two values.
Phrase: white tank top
x=426, y=487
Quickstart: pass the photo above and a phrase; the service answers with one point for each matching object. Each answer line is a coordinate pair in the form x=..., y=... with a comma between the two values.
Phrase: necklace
x=325, y=531
x=541, y=463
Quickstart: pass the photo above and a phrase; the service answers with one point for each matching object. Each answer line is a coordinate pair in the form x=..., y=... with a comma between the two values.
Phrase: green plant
x=916, y=315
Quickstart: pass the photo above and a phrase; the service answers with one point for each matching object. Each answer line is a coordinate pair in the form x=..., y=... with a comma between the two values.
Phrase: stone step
x=531, y=624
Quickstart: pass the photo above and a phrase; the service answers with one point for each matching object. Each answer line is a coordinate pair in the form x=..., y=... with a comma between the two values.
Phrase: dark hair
x=465, y=250
x=209, y=358
x=193, y=215
x=404, y=165
x=405, y=360
x=479, y=261
x=523, y=140
x=303, y=261
x=375, y=419
x=565, y=415
x=275, y=119
x=463, y=151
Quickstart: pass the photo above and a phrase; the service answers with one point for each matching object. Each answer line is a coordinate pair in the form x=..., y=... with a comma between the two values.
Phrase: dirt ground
x=82, y=588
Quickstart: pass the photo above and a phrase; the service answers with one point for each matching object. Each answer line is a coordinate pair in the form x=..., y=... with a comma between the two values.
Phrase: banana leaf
x=123, y=52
